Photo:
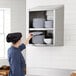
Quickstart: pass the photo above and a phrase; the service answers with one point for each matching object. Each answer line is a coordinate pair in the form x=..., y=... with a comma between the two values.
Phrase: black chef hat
x=13, y=37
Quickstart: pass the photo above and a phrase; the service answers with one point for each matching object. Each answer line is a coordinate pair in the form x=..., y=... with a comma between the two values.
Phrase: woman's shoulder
x=12, y=51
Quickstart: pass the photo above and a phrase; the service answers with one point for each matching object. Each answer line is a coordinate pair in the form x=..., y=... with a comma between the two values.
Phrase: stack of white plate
x=49, y=15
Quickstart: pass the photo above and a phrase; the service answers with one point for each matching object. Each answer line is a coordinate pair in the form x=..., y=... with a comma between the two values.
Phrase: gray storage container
x=49, y=24
x=38, y=39
x=38, y=22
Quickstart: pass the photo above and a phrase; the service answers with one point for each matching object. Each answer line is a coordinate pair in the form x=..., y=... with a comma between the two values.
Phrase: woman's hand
x=30, y=36
x=28, y=39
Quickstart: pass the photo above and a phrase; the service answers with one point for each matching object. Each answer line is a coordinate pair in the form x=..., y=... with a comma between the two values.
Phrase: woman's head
x=14, y=37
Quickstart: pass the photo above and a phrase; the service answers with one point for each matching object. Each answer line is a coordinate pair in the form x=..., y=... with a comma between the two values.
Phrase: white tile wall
x=56, y=57
x=49, y=72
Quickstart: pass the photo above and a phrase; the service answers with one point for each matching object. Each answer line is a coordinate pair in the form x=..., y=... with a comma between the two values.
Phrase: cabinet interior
x=38, y=14
x=48, y=34
x=49, y=20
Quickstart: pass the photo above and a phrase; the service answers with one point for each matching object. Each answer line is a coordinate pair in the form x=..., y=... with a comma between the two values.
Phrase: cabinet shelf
x=48, y=20
x=42, y=45
x=43, y=29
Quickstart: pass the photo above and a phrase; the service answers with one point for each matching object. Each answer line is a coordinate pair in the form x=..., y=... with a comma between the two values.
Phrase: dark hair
x=13, y=37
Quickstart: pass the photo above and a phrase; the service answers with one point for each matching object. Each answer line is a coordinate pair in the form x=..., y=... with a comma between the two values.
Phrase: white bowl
x=48, y=41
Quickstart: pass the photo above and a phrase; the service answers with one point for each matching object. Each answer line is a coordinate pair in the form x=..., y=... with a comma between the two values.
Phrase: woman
x=15, y=57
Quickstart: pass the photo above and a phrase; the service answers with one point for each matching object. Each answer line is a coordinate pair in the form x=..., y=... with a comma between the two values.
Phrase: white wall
x=56, y=57
x=49, y=72
x=17, y=18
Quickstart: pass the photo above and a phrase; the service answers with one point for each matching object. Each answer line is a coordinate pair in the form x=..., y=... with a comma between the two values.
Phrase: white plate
x=36, y=33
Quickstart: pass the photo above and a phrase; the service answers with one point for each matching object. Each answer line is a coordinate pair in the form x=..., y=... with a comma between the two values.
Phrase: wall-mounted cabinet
x=47, y=22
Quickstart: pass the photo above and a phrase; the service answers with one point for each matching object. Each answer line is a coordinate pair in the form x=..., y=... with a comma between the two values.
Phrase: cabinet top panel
x=44, y=8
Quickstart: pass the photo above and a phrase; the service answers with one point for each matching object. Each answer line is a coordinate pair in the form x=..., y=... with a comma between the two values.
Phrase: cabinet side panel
x=59, y=26
x=27, y=22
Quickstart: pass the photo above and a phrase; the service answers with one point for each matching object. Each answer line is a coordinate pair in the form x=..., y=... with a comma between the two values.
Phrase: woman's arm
x=23, y=45
x=28, y=39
